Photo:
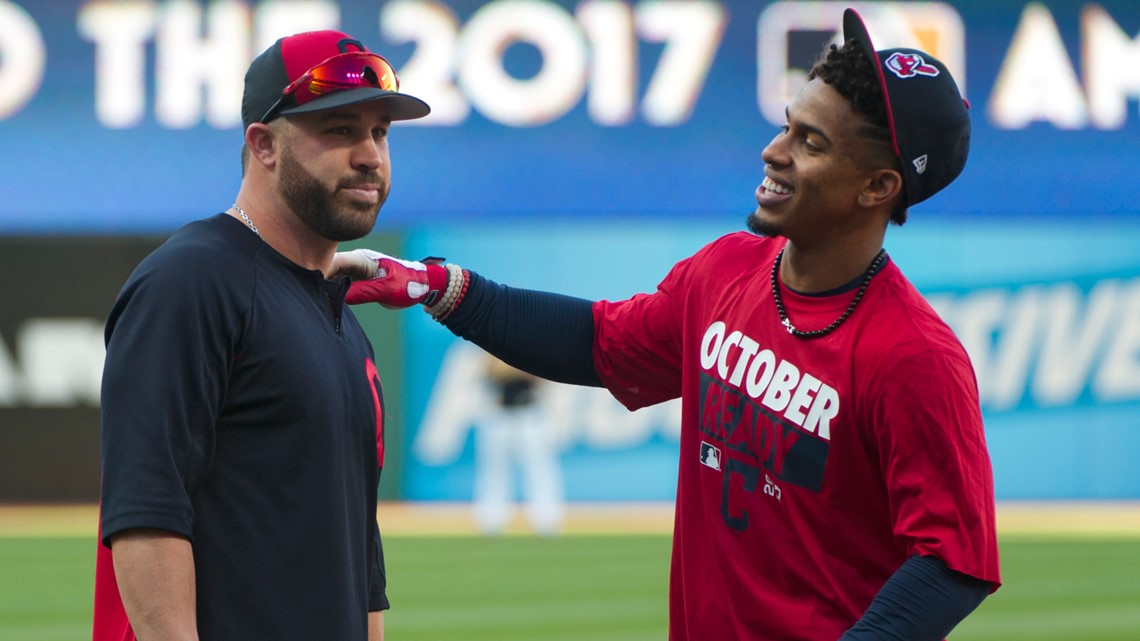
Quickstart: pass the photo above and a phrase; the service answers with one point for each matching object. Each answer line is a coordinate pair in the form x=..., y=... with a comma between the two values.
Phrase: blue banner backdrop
x=124, y=117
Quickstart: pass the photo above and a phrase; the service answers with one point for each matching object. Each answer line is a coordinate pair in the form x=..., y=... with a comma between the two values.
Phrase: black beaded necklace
x=875, y=264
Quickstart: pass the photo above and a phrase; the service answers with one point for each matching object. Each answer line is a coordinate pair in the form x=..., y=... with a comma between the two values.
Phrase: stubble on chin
x=761, y=227
x=352, y=219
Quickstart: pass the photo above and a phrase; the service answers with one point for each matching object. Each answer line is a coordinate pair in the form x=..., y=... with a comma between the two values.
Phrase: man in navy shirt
x=242, y=414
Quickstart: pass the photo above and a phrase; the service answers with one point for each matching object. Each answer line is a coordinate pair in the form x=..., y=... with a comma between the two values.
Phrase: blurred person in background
x=834, y=480
x=514, y=438
x=242, y=414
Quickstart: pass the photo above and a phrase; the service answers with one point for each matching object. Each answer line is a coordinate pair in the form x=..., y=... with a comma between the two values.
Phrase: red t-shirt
x=810, y=470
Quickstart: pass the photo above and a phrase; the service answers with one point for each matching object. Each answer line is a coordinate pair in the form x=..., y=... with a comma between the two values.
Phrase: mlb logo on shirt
x=710, y=455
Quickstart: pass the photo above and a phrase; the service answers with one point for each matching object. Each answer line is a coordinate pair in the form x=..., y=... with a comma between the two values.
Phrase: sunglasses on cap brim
x=341, y=72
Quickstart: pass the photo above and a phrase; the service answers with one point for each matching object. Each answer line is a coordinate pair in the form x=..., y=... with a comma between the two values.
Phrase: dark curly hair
x=848, y=70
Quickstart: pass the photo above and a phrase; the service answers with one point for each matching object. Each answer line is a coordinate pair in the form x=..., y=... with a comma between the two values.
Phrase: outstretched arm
x=546, y=334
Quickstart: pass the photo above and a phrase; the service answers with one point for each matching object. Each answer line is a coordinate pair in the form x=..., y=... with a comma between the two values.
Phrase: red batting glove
x=393, y=282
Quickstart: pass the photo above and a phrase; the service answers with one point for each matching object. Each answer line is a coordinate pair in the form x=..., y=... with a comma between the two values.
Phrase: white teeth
x=774, y=187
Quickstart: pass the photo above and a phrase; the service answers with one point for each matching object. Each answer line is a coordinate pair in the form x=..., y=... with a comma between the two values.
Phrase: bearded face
x=330, y=212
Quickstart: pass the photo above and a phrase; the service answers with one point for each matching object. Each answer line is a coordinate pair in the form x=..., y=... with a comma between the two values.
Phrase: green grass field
x=596, y=587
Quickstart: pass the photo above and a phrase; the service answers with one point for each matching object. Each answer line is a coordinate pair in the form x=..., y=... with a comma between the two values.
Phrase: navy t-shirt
x=241, y=408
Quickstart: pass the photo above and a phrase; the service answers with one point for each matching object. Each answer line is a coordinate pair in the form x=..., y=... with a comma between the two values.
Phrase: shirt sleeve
x=929, y=430
x=170, y=338
x=638, y=342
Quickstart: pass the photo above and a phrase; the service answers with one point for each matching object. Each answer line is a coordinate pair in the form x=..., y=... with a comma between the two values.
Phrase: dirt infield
x=395, y=519
x=1071, y=519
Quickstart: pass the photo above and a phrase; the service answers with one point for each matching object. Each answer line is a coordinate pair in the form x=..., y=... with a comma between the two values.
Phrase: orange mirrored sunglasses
x=338, y=73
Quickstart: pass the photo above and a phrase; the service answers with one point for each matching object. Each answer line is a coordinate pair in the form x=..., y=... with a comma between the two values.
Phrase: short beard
x=315, y=205
x=761, y=227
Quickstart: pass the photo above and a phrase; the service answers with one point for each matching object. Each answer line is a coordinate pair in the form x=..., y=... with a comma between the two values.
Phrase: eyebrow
x=811, y=129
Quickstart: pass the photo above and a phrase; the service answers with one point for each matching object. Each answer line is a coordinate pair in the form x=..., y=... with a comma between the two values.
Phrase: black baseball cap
x=928, y=118
x=319, y=70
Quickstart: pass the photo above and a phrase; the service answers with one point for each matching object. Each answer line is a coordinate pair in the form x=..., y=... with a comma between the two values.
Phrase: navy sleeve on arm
x=548, y=335
x=170, y=340
x=922, y=601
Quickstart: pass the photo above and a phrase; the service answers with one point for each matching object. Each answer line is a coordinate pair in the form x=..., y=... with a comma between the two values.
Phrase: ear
x=882, y=188
x=262, y=142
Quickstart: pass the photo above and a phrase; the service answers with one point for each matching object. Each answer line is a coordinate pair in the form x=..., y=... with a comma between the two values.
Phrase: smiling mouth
x=774, y=187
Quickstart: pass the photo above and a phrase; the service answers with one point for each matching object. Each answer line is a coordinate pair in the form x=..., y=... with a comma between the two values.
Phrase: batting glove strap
x=452, y=295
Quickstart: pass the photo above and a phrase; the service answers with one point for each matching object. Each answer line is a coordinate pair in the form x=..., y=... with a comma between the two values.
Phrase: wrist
x=437, y=281
x=451, y=293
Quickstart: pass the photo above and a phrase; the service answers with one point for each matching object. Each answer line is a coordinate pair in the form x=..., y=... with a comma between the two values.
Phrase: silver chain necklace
x=249, y=222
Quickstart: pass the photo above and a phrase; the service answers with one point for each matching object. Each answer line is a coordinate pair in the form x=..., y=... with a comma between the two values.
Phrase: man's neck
x=284, y=232
x=820, y=269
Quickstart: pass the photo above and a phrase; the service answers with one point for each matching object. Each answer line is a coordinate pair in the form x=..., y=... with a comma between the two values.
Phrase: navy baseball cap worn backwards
x=320, y=70
x=928, y=118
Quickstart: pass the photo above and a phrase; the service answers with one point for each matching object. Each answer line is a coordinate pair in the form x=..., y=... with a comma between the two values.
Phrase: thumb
x=358, y=264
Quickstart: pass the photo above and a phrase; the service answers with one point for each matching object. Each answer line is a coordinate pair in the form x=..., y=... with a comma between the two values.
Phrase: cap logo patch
x=909, y=65
x=920, y=164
